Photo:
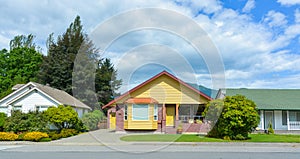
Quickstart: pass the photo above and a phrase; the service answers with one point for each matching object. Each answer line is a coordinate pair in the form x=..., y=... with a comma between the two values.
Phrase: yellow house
x=161, y=104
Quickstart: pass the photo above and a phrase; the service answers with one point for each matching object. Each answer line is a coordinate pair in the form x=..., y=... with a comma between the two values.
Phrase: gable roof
x=153, y=78
x=57, y=95
x=61, y=96
x=270, y=99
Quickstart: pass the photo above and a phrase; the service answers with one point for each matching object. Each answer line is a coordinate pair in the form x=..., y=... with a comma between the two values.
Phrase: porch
x=187, y=116
x=280, y=119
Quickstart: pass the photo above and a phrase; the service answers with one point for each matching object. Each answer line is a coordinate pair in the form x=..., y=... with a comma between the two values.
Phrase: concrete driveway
x=97, y=137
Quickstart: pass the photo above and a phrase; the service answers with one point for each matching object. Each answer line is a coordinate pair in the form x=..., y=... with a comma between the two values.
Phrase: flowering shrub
x=5, y=136
x=35, y=136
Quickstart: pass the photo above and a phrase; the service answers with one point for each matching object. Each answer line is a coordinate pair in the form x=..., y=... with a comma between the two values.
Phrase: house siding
x=31, y=100
x=17, y=93
x=168, y=91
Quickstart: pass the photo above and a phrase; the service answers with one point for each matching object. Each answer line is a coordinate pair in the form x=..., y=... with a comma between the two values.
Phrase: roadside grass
x=200, y=138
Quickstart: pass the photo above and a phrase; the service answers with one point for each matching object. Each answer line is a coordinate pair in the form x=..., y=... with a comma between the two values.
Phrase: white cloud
x=249, y=6
x=249, y=49
x=275, y=19
x=297, y=16
x=288, y=2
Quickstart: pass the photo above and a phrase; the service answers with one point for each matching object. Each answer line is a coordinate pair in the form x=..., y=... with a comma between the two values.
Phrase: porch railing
x=294, y=125
x=190, y=118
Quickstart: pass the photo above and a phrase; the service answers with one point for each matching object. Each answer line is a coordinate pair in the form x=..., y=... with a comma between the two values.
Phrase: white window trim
x=155, y=112
x=132, y=111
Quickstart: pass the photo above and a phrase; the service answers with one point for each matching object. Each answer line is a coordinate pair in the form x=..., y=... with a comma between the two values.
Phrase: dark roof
x=270, y=99
x=209, y=92
x=61, y=96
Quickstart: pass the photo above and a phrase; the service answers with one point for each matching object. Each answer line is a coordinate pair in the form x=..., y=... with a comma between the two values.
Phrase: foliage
x=22, y=41
x=19, y=65
x=91, y=119
x=76, y=57
x=63, y=117
x=5, y=136
x=24, y=122
x=57, y=66
x=106, y=81
x=270, y=128
x=68, y=132
x=54, y=135
x=2, y=120
x=238, y=118
x=35, y=136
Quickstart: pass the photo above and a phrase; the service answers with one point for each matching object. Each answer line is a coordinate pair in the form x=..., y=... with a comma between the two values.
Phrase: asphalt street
x=105, y=144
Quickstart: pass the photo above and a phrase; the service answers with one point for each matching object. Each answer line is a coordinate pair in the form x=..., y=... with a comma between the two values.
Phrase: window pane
x=140, y=112
x=155, y=112
x=284, y=117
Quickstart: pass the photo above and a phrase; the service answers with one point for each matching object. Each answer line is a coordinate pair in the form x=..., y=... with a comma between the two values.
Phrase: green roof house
x=281, y=107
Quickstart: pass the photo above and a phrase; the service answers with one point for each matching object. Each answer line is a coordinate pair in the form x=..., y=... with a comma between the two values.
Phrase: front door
x=170, y=115
x=269, y=119
x=112, y=121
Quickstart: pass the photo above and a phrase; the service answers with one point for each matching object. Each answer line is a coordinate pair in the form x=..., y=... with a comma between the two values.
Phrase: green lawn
x=199, y=138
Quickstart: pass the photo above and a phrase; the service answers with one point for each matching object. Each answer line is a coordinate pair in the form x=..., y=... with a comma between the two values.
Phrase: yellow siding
x=167, y=90
x=140, y=125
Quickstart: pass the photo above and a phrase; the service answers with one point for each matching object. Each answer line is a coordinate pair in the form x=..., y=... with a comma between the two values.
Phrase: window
x=284, y=117
x=125, y=112
x=41, y=108
x=140, y=112
x=17, y=107
x=155, y=112
x=294, y=115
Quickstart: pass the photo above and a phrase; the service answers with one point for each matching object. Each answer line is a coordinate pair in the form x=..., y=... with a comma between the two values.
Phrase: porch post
x=163, y=121
x=176, y=112
x=288, y=119
x=262, y=120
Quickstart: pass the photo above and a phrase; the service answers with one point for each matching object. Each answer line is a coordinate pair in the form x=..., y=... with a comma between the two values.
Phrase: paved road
x=103, y=144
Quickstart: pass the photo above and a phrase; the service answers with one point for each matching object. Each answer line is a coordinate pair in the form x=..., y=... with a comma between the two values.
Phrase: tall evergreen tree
x=72, y=65
x=57, y=67
x=107, y=83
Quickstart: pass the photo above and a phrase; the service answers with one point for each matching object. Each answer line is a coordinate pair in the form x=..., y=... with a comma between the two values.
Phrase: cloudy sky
x=257, y=41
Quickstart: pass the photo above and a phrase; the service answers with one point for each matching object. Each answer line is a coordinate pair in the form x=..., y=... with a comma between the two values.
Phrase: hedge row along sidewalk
x=37, y=136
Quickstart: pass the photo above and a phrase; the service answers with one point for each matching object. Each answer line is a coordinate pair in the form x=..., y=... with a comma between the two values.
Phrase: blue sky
x=257, y=40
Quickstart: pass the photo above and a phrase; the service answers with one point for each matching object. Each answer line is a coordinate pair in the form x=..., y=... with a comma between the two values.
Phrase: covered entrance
x=170, y=114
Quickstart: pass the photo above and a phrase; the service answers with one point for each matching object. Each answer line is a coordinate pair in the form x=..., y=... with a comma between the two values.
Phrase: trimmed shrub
x=35, y=136
x=2, y=120
x=68, y=132
x=91, y=119
x=5, y=136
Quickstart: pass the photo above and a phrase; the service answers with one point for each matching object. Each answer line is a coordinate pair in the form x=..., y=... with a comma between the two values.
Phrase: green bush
x=5, y=136
x=68, y=132
x=2, y=120
x=35, y=136
x=24, y=122
x=238, y=116
x=55, y=136
x=64, y=117
x=91, y=119
x=270, y=128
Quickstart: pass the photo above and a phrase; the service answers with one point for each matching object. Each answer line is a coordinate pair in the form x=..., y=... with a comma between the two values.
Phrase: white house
x=281, y=107
x=34, y=96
